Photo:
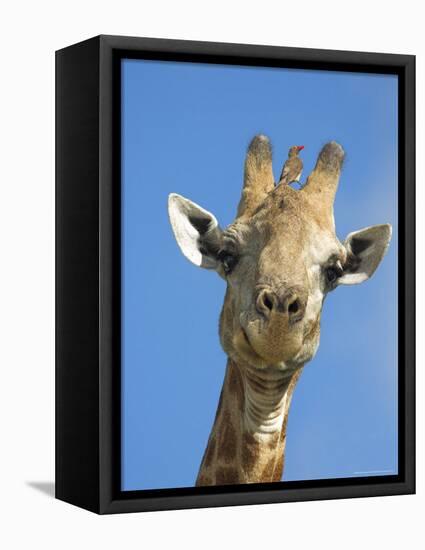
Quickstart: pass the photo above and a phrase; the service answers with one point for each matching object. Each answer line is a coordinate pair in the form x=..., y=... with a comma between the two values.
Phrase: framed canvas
x=209, y=197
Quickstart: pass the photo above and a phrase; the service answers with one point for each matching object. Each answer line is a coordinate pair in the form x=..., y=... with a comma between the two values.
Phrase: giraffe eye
x=228, y=261
x=333, y=273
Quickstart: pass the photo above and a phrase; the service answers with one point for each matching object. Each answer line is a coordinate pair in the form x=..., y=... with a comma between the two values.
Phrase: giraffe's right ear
x=196, y=231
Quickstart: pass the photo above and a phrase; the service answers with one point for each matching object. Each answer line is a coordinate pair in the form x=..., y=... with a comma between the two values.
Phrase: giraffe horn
x=322, y=183
x=258, y=176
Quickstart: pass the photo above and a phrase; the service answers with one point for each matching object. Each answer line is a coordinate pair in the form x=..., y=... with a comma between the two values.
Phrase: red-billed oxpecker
x=293, y=167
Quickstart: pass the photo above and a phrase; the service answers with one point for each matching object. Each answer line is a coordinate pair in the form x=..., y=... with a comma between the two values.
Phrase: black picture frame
x=88, y=274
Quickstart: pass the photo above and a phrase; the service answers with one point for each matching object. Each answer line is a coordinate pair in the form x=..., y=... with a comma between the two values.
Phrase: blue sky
x=185, y=129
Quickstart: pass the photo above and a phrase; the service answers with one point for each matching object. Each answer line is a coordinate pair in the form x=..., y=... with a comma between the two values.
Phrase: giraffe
x=280, y=257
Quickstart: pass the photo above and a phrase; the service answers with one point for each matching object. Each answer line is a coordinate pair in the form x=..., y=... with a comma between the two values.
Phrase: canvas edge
x=109, y=500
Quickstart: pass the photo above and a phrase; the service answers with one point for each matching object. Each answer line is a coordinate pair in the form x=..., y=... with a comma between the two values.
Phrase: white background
x=30, y=32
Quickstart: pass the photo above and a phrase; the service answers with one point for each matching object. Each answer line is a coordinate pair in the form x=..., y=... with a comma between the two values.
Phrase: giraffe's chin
x=287, y=351
x=247, y=350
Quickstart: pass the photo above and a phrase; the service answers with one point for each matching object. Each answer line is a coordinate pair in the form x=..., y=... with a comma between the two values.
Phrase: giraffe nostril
x=294, y=306
x=265, y=302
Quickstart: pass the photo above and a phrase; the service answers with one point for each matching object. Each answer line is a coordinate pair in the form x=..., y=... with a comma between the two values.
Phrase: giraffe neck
x=247, y=440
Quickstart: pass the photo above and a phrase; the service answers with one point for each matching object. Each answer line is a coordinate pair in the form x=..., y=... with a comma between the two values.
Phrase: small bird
x=293, y=167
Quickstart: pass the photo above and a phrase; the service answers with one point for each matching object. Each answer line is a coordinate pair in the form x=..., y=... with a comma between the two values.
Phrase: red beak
x=300, y=147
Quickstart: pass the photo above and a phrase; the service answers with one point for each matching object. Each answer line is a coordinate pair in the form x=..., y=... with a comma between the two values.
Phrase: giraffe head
x=280, y=258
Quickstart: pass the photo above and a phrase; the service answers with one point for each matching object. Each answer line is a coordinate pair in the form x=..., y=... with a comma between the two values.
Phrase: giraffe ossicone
x=280, y=257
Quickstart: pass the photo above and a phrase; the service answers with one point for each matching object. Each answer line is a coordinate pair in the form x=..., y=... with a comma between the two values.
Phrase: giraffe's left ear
x=365, y=250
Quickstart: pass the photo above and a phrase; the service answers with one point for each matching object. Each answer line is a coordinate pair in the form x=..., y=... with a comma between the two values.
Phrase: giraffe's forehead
x=289, y=213
x=287, y=232
x=288, y=229
x=283, y=202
